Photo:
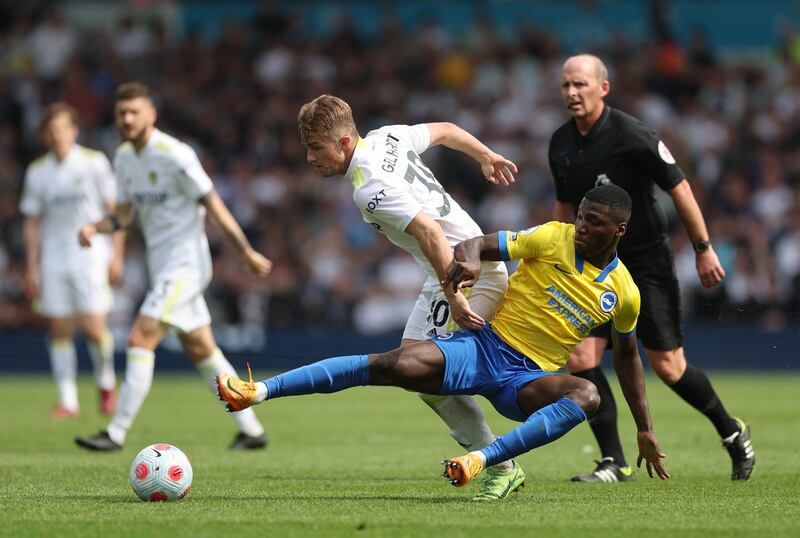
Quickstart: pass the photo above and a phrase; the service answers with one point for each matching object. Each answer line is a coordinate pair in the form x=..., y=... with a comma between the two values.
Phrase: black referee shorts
x=659, y=325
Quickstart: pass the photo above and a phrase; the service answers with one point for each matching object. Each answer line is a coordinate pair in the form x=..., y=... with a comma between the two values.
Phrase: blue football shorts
x=480, y=362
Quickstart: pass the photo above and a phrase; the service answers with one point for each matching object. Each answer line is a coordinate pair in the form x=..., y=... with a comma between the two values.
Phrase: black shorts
x=659, y=325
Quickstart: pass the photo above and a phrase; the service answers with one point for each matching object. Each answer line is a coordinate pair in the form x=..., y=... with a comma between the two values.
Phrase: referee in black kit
x=604, y=145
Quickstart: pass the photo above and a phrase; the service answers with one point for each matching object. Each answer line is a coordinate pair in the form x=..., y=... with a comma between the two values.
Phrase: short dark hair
x=56, y=109
x=615, y=197
x=133, y=90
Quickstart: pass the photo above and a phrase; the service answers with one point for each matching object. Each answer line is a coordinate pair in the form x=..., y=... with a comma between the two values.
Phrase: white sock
x=139, y=365
x=481, y=456
x=64, y=363
x=102, y=355
x=215, y=365
x=468, y=427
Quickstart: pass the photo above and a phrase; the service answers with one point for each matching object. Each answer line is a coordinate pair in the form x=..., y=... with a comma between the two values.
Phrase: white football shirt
x=164, y=182
x=66, y=196
x=392, y=185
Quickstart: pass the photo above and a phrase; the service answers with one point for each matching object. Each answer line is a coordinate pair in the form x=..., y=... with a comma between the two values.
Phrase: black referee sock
x=604, y=421
x=695, y=388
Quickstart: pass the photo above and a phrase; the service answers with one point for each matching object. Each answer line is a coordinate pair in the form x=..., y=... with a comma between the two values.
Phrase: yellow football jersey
x=555, y=298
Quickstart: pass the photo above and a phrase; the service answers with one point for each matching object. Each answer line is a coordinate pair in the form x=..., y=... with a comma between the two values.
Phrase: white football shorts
x=432, y=317
x=177, y=301
x=67, y=293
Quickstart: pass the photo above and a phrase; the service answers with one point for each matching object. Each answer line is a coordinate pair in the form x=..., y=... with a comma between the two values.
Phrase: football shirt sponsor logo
x=375, y=201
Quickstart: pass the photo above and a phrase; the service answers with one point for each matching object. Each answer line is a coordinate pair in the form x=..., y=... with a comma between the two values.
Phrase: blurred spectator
x=734, y=122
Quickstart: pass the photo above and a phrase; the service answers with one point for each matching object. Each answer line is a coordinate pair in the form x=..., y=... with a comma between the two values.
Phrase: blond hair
x=326, y=115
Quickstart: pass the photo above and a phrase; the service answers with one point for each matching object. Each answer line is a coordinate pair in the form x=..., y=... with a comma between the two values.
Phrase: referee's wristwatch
x=701, y=246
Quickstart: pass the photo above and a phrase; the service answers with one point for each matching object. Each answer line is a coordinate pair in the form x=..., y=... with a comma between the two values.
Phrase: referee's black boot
x=607, y=470
x=743, y=457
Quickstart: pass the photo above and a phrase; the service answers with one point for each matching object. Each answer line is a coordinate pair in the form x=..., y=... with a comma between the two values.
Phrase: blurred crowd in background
x=732, y=122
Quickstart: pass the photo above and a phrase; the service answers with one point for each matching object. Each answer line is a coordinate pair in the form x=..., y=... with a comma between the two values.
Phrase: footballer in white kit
x=391, y=186
x=64, y=196
x=161, y=179
x=400, y=197
x=68, y=186
x=164, y=182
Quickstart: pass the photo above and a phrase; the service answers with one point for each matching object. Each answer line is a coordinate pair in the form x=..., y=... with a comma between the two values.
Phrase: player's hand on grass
x=462, y=313
x=256, y=263
x=31, y=284
x=498, y=170
x=709, y=269
x=651, y=454
x=461, y=275
x=85, y=235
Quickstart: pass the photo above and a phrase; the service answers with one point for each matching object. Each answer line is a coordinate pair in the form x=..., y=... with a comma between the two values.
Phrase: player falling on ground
x=400, y=197
x=569, y=280
x=64, y=189
x=162, y=179
x=600, y=145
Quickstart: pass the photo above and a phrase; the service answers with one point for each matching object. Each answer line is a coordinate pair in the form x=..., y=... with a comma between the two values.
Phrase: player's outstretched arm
x=434, y=245
x=258, y=264
x=628, y=366
x=121, y=218
x=496, y=168
x=467, y=256
x=709, y=269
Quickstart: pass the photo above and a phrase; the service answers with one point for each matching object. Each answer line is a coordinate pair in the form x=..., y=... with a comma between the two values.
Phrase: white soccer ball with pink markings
x=161, y=472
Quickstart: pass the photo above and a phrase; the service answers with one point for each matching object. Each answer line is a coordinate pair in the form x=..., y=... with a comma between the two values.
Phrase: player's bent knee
x=145, y=333
x=668, y=366
x=585, y=394
x=667, y=373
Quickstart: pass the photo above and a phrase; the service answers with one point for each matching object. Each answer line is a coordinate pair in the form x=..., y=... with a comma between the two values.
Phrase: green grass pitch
x=365, y=462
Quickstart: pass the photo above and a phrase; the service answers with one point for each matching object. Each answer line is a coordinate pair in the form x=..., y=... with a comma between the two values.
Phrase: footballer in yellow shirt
x=569, y=280
x=557, y=296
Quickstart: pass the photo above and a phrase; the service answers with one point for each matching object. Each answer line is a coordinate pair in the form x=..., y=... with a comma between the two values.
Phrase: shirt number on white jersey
x=417, y=170
x=440, y=313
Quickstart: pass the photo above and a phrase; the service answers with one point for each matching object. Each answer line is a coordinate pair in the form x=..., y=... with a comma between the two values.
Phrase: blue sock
x=545, y=425
x=329, y=375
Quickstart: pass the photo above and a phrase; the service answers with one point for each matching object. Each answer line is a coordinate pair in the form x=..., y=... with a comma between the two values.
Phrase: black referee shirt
x=622, y=150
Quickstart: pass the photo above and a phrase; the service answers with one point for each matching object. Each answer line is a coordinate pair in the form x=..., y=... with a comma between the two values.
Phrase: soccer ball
x=161, y=472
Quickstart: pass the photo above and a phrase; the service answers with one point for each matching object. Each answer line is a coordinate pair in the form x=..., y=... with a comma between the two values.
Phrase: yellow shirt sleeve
x=625, y=320
x=531, y=243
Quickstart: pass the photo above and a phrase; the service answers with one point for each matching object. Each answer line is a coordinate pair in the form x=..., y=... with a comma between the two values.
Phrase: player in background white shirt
x=161, y=180
x=69, y=285
x=400, y=197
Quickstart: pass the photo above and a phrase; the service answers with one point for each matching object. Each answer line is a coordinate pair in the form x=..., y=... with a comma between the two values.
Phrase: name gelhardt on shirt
x=569, y=309
x=392, y=152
